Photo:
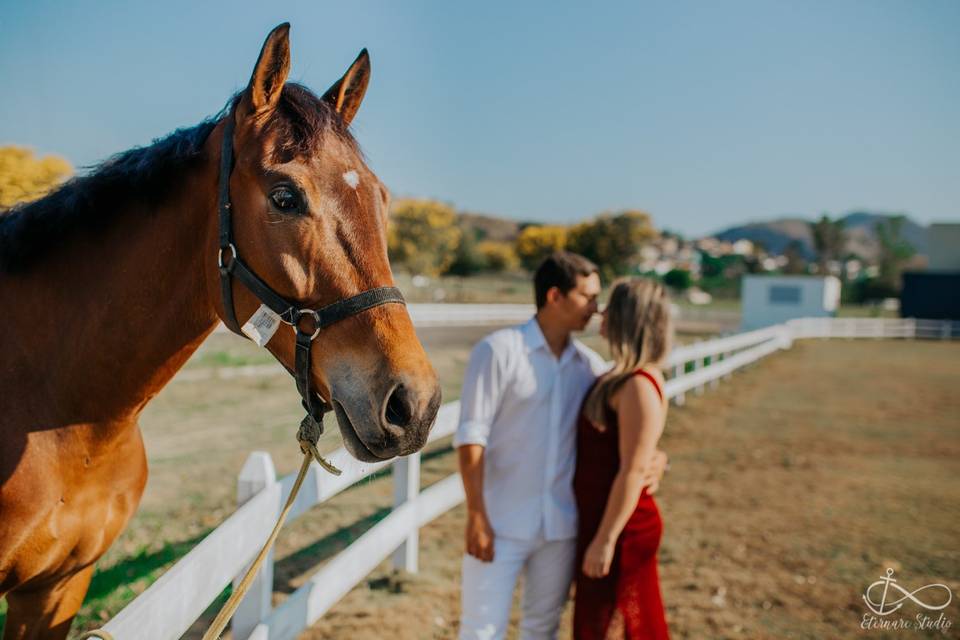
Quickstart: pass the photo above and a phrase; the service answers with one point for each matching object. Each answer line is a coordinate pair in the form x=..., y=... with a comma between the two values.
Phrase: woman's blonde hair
x=639, y=332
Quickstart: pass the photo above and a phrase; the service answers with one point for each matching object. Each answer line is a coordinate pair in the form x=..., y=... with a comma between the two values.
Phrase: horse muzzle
x=396, y=421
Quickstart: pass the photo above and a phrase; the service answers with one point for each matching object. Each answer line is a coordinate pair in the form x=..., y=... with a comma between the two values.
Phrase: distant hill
x=774, y=235
x=491, y=227
x=862, y=239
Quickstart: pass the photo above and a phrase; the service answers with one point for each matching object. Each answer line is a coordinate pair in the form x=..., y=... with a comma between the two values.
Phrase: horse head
x=310, y=218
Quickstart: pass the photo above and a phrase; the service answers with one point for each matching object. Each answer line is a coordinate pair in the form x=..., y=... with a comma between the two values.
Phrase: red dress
x=626, y=603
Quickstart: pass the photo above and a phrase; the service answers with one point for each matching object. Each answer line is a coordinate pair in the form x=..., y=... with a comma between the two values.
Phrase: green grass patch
x=233, y=358
x=114, y=587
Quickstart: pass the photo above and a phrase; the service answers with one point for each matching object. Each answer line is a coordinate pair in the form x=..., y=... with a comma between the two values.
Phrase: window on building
x=784, y=294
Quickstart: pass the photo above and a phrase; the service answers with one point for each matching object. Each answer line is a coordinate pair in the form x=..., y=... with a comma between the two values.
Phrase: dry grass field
x=793, y=486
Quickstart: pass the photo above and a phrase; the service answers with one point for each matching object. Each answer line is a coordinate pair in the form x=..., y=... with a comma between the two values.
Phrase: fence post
x=257, y=474
x=406, y=486
x=785, y=336
x=697, y=365
x=679, y=370
x=919, y=328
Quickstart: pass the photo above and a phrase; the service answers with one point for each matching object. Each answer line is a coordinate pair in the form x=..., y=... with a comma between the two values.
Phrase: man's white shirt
x=521, y=403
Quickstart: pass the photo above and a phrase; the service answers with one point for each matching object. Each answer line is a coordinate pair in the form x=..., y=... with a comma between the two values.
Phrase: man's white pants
x=487, y=588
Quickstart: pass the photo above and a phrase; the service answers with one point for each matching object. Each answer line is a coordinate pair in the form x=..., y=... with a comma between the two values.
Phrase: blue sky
x=705, y=114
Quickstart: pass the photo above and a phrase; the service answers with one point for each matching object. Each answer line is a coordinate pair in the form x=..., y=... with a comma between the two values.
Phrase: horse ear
x=346, y=94
x=271, y=71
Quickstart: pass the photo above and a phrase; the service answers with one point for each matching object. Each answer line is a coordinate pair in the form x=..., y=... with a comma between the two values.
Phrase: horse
x=110, y=283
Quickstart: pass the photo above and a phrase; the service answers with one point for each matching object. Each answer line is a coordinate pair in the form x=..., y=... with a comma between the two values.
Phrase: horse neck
x=116, y=315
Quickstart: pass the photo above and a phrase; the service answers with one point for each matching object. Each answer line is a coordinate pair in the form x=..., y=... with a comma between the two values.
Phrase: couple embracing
x=559, y=459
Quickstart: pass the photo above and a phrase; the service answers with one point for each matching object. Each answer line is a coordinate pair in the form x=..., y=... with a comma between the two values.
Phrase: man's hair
x=560, y=269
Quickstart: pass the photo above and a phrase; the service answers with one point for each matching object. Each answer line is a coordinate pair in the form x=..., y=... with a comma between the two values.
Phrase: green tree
x=25, y=177
x=467, y=259
x=894, y=252
x=423, y=236
x=667, y=233
x=678, y=279
x=796, y=264
x=829, y=240
x=612, y=240
x=710, y=266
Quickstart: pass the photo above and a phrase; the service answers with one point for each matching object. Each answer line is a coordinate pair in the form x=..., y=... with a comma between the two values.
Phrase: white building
x=768, y=300
x=743, y=247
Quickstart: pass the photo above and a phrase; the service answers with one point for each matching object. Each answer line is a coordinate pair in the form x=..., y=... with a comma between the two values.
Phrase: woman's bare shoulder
x=637, y=386
x=655, y=371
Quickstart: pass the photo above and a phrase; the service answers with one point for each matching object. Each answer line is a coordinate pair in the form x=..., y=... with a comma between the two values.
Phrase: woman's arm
x=640, y=420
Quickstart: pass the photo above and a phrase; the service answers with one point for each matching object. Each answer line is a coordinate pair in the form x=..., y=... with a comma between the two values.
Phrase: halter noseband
x=289, y=312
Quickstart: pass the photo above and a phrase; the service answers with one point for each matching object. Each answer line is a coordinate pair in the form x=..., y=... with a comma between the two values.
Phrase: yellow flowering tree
x=536, y=242
x=612, y=241
x=423, y=236
x=498, y=256
x=25, y=177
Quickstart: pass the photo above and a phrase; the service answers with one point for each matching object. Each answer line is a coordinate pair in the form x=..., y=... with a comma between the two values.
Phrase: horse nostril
x=399, y=407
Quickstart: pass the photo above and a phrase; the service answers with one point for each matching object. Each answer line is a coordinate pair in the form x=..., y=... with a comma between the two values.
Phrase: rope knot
x=308, y=435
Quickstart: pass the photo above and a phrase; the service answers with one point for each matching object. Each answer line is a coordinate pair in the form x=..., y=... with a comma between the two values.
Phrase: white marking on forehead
x=351, y=178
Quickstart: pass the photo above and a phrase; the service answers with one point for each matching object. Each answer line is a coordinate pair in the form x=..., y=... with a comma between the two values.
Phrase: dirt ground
x=792, y=487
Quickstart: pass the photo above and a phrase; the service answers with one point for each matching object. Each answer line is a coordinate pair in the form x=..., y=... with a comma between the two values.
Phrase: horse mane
x=91, y=203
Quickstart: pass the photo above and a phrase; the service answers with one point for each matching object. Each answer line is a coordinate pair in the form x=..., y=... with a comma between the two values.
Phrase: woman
x=618, y=592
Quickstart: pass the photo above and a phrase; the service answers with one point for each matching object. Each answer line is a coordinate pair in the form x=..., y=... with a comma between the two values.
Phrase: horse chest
x=66, y=524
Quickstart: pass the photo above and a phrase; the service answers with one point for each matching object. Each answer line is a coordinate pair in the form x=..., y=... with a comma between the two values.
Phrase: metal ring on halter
x=307, y=312
x=233, y=255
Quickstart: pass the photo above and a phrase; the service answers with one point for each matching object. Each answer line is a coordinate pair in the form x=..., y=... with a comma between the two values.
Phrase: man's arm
x=479, y=535
x=479, y=402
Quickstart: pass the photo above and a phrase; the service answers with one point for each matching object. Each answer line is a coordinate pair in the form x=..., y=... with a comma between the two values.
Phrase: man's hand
x=654, y=472
x=479, y=537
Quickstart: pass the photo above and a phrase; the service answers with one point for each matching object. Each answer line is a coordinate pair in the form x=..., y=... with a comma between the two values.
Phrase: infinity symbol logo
x=885, y=607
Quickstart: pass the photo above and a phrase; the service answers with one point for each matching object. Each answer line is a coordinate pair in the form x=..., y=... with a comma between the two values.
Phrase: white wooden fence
x=170, y=605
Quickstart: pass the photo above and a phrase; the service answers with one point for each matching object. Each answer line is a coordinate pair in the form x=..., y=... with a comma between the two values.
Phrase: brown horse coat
x=109, y=285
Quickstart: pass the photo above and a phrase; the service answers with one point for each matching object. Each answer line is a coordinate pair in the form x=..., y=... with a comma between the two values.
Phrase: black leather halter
x=291, y=313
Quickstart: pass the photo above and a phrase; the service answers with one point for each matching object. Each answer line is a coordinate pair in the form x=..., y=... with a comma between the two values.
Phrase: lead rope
x=308, y=435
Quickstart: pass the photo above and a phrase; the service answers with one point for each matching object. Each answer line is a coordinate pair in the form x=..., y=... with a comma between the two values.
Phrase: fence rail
x=169, y=606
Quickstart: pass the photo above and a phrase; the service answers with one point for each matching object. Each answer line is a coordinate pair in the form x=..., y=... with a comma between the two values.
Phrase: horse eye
x=285, y=199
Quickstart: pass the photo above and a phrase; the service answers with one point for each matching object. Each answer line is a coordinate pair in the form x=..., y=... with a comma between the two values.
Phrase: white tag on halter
x=262, y=325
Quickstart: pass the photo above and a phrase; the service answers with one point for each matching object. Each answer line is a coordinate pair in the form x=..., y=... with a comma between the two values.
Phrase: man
x=516, y=446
